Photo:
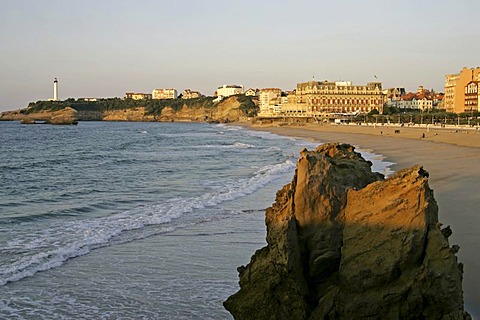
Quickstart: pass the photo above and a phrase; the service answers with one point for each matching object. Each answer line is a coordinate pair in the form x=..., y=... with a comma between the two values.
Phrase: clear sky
x=104, y=48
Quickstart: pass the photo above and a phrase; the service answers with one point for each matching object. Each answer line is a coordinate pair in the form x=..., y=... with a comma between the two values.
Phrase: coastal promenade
x=450, y=155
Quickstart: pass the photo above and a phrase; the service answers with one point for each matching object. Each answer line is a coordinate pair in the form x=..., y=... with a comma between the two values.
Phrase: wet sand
x=452, y=157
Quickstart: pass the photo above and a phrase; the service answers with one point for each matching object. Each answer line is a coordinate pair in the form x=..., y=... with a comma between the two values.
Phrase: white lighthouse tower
x=55, y=90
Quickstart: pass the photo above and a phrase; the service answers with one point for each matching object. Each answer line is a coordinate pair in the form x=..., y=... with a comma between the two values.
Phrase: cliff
x=63, y=116
x=198, y=110
x=227, y=110
x=343, y=243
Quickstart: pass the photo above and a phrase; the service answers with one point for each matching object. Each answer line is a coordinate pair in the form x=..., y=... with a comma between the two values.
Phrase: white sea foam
x=236, y=145
x=63, y=241
x=378, y=162
x=229, y=127
x=240, y=145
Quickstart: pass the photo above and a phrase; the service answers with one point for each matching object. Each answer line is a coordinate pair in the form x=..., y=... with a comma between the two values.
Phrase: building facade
x=270, y=101
x=138, y=96
x=458, y=98
x=252, y=92
x=229, y=90
x=422, y=102
x=317, y=98
x=190, y=94
x=164, y=94
x=406, y=101
x=393, y=96
x=471, y=96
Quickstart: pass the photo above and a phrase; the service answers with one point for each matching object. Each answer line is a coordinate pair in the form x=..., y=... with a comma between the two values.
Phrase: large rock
x=342, y=243
x=227, y=110
x=133, y=114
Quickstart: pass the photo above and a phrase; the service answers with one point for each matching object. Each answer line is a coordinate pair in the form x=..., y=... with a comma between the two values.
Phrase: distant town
x=319, y=98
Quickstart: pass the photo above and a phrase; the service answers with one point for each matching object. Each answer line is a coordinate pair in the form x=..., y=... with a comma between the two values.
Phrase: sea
x=130, y=220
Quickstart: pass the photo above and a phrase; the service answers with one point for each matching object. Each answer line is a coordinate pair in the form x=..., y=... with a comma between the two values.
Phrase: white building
x=229, y=90
x=422, y=103
x=164, y=94
x=406, y=101
x=270, y=101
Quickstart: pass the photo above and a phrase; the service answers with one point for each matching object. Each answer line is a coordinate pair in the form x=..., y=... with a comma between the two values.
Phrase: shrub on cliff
x=247, y=106
x=40, y=106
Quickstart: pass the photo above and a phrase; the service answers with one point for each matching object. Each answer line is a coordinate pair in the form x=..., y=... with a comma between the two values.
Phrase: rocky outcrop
x=65, y=116
x=134, y=114
x=227, y=110
x=342, y=243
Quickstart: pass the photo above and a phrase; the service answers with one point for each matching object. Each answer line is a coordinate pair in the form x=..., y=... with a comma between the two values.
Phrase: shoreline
x=451, y=158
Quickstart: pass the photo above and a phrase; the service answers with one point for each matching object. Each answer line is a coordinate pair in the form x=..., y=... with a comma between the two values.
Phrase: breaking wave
x=51, y=247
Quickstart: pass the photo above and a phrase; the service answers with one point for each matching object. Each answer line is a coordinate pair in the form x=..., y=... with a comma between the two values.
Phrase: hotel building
x=461, y=91
x=164, y=94
x=316, y=98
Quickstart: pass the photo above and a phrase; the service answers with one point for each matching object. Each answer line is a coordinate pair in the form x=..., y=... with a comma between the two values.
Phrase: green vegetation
x=247, y=106
x=44, y=105
x=152, y=107
x=155, y=107
x=79, y=105
x=396, y=115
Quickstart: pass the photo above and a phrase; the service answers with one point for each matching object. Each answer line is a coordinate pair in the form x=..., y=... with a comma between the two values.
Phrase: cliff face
x=225, y=111
x=345, y=244
x=134, y=114
x=64, y=116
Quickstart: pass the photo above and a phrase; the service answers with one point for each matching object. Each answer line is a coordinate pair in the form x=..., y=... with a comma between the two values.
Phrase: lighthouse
x=55, y=90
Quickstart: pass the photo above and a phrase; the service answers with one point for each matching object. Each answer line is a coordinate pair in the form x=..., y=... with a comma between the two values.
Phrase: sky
x=104, y=48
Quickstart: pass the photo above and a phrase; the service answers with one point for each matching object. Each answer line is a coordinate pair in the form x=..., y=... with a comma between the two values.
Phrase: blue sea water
x=118, y=220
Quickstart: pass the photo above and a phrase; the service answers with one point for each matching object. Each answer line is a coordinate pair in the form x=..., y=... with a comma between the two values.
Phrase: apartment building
x=461, y=91
x=471, y=96
x=138, y=96
x=164, y=94
x=270, y=101
x=316, y=98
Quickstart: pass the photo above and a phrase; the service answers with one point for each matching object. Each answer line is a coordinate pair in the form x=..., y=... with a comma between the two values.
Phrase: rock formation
x=65, y=116
x=343, y=243
x=227, y=110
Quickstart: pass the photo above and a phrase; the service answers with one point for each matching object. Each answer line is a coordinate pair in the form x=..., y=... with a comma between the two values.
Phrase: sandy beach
x=451, y=156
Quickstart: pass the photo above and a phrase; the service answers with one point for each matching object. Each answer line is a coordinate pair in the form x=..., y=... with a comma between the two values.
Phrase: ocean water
x=114, y=220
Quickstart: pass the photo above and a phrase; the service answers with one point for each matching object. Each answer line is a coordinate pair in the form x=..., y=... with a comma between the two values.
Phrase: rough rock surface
x=342, y=243
x=227, y=110
x=66, y=116
x=133, y=114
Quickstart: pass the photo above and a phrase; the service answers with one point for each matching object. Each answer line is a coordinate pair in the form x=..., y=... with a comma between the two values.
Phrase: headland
x=70, y=111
